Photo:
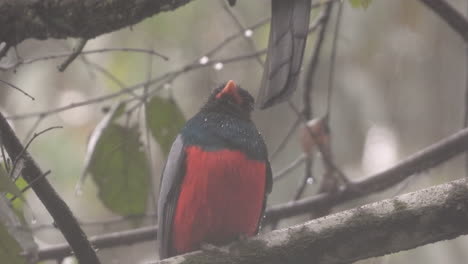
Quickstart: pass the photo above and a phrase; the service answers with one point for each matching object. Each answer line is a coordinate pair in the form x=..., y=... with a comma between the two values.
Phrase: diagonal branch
x=425, y=159
x=450, y=15
x=409, y=221
x=57, y=208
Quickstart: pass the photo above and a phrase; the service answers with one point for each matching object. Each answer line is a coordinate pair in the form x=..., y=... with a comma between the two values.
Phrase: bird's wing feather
x=172, y=177
x=288, y=34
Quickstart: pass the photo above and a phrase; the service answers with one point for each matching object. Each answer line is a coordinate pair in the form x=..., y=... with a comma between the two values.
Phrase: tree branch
x=450, y=15
x=103, y=241
x=424, y=159
x=24, y=19
x=57, y=208
x=402, y=223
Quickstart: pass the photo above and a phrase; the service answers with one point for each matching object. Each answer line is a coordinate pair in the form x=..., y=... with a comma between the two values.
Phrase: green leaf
x=10, y=249
x=7, y=185
x=120, y=169
x=360, y=3
x=164, y=119
x=18, y=204
x=15, y=238
x=111, y=116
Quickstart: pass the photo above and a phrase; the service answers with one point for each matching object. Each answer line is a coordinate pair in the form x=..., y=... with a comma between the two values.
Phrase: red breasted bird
x=217, y=176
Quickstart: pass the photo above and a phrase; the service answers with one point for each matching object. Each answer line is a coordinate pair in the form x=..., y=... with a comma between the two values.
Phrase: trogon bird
x=217, y=176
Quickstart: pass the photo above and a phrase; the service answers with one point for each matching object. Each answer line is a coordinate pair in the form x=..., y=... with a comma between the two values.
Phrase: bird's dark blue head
x=230, y=99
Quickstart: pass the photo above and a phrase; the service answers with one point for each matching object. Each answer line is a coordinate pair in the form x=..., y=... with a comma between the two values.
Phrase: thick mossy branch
x=44, y=19
x=402, y=223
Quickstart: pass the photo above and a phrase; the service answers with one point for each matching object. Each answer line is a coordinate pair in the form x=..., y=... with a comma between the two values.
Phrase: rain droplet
x=206, y=119
x=166, y=86
x=204, y=60
x=78, y=191
x=218, y=66
x=33, y=220
x=310, y=180
x=248, y=33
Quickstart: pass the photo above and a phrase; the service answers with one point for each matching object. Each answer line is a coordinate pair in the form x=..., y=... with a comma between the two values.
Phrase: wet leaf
x=111, y=116
x=360, y=3
x=15, y=238
x=120, y=169
x=6, y=183
x=18, y=204
x=164, y=119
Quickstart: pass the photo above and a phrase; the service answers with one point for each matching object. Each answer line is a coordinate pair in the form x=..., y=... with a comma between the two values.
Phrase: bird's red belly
x=221, y=197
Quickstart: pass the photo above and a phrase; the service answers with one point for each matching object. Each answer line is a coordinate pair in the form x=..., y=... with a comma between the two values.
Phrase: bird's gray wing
x=172, y=177
x=288, y=35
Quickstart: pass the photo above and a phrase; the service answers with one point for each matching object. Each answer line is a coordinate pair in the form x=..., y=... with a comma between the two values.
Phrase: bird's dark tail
x=288, y=34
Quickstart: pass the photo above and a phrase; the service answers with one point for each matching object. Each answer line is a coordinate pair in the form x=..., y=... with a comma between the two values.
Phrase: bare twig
x=286, y=170
x=138, y=86
x=85, y=52
x=17, y=88
x=76, y=51
x=286, y=138
x=103, y=223
x=450, y=15
x=33, y=128
x=331, y=72
x=103, y=241
x=241, y=28
x=57, y=208
x=307, y=103
x=31, y=184
x=25, y=149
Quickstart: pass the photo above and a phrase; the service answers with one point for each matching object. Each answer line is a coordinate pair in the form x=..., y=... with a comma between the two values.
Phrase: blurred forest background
x=399, y=86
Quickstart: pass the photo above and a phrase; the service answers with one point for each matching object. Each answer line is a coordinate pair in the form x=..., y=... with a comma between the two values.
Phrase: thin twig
x=25, y=149
x=314, y=59
x=76, y=51
x=31, y=184
x=103, y=223
x=286, y=138
x=331, y=71
x=115, y=239
x=241, y=28
x=85, y=52
x=138, y=86
x=18, y=89
x=286, y=170
x=33, y=128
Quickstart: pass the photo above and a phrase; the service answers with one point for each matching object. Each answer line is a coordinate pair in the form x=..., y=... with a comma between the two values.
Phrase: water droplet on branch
x=204, y=60
x=218, y=66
